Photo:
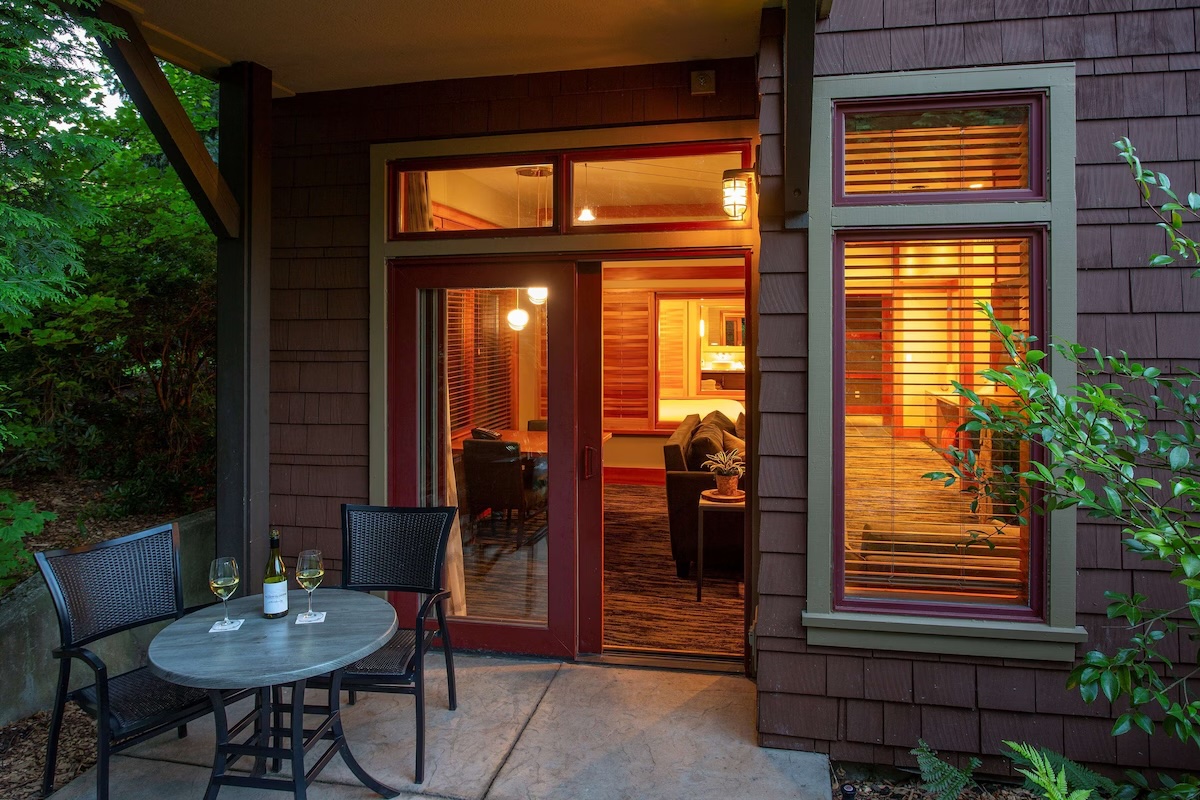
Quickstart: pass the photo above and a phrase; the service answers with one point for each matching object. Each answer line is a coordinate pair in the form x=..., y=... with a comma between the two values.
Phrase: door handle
x=589, y=462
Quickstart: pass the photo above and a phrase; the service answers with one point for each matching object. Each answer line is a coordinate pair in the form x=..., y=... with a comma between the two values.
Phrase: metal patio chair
x=400, y=550
x=100, y=590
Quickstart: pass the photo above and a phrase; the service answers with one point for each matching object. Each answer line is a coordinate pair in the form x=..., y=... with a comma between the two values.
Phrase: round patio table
x=265, y=654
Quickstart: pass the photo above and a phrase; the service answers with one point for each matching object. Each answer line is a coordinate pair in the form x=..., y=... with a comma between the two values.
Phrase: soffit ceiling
x=320, y=45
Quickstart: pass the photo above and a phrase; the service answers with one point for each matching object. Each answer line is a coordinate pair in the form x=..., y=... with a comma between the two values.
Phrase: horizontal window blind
x=627, y=377
x=937, y=150
x=911, y=327
x=480, y=353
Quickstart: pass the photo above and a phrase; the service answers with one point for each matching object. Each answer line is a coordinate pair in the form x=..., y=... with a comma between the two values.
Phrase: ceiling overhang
x=312, y=46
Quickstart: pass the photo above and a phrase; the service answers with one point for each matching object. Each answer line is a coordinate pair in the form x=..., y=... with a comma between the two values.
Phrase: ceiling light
x=586, y=215
x=538, y=294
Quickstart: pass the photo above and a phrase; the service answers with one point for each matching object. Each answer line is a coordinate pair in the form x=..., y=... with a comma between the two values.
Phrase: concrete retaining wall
x=29, y=628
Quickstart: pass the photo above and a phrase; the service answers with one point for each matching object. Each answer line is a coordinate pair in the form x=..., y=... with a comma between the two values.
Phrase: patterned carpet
x=645, y=604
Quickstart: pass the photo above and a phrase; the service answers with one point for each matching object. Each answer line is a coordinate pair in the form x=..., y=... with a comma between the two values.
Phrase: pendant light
x=538, y=294
x=585, y=214
x=518, y=318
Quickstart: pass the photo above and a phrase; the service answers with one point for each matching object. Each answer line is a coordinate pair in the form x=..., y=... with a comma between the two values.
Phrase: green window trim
x=968, y=637
x=1056, y=636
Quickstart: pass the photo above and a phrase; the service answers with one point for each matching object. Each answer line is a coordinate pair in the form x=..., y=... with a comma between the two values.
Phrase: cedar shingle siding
x=1138, y=75
x=320, y=279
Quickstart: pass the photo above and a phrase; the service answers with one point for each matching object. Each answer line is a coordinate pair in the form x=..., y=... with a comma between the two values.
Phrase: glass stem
x=310, y=603
x=225, y=603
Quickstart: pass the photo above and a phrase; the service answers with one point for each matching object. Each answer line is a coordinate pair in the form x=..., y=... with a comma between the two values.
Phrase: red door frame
x=406, y=277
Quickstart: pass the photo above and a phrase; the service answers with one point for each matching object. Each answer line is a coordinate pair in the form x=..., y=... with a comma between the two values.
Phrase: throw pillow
x=720, y=420
x=739, y=427
x=706, y=440
x=731, y=442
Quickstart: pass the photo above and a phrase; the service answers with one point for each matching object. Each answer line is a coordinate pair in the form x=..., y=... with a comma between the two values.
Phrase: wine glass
x=223, y=579
x=309, y=572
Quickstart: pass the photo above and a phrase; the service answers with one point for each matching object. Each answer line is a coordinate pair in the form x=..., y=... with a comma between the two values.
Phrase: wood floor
x=907, y=535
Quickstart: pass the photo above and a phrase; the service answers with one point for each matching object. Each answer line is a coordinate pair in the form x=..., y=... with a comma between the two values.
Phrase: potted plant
x=728, y=466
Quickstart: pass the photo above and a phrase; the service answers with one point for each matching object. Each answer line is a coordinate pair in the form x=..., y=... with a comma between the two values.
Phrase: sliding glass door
x=483, y=403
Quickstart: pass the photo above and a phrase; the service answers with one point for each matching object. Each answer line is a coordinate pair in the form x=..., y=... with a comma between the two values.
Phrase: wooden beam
x=138, y=70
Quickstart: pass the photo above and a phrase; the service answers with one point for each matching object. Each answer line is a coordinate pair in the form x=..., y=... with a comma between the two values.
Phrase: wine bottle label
x=275, y=598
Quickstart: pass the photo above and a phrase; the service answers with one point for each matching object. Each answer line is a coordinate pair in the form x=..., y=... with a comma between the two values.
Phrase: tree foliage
x=1121, y=445
x=117, y=380
x=49, y=143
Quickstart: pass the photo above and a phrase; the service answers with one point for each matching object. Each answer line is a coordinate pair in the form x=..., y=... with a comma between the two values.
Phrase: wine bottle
x=275, y=598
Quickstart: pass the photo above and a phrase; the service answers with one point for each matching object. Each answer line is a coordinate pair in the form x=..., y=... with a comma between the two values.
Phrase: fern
x=1042, y=774
x=1078, y=777
x=944, y=781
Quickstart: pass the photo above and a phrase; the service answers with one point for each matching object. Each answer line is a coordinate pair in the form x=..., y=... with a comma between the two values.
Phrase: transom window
x=977, y=149
x=660, y=187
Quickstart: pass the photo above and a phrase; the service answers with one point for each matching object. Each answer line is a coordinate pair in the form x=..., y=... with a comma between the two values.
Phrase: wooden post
x=243, y=323
x=798, y=53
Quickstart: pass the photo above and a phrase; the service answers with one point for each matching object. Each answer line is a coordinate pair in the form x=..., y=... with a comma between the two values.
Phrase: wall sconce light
x=518, y=318
x=538, y=294
x=735, y=192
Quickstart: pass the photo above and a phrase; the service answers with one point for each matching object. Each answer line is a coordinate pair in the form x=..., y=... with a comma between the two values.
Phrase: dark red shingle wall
x=1138, y=75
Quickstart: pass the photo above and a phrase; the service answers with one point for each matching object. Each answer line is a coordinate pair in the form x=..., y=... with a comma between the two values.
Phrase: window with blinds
x=911, y=326
x=627, y=365
x=480, y=359
x=939, y=149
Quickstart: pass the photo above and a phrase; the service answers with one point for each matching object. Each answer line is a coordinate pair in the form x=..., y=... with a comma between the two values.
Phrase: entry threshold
x=660, y=659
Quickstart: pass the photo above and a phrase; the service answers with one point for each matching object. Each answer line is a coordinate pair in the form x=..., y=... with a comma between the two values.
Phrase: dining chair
x=537, y=425
x=400, y=550
x=100, y=590
x=497, y=482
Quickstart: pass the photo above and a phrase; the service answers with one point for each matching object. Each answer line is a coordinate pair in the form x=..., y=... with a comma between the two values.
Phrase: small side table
x=705, y=507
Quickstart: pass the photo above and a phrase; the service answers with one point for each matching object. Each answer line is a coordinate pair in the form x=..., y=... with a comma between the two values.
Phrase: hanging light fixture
x=585, y=214
x=538, y=294
x=538, y=172
x=735, y=192
x=518, y=318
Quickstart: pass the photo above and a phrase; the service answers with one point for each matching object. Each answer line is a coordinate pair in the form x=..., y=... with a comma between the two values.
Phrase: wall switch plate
x=704, y=81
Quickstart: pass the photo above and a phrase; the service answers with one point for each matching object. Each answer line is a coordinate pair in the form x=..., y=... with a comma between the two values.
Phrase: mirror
x=722, y=352
x=733, y=325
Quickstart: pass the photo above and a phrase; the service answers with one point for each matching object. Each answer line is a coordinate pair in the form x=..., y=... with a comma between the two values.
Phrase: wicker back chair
x=400, y=550
x=104, y=589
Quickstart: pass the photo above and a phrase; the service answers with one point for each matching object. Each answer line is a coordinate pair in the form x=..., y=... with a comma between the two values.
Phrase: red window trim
x=1037, y=148
x=651, y=151
x=563, y=189
x=1038, y=305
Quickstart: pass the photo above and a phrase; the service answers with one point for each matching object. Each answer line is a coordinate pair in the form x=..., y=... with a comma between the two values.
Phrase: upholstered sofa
x=684, y=455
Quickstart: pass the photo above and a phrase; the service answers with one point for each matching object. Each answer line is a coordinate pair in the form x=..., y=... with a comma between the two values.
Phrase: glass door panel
x=482, y=420
x=484, y=358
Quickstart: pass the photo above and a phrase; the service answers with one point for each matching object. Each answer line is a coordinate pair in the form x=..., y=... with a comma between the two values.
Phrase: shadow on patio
x=525, y=729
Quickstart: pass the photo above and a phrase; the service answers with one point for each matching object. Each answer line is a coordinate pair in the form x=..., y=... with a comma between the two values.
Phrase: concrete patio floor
x=524, y=730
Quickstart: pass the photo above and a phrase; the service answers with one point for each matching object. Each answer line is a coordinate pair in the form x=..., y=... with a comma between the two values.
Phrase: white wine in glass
x=223, y=580
x=309, y=572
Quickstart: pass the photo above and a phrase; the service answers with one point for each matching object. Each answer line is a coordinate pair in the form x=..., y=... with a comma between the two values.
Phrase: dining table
x=268, y=655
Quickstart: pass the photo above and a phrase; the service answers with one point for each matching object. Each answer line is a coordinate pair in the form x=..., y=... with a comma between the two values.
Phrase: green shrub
x=17, y=521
